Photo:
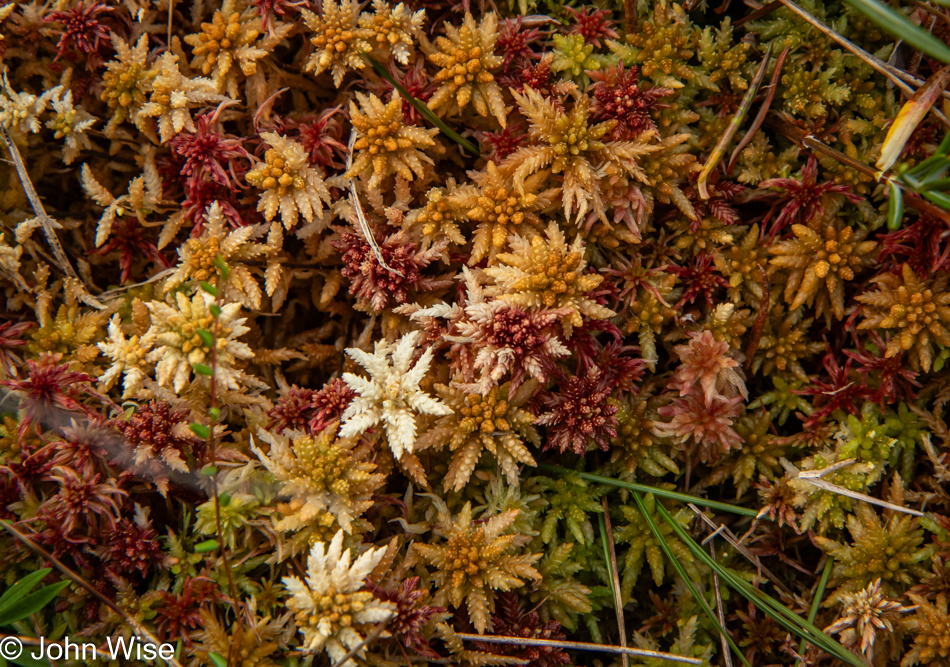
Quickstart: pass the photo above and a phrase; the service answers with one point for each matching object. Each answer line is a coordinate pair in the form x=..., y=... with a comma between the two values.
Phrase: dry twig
x=361, y=217
x=815, y=478
x=45, y=221
x=723, y=531
x=899, y=77
x=579, y=646
x=618, y=600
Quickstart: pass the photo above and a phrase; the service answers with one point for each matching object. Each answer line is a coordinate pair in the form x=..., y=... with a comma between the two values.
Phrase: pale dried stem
x=899, y=77
x=31, y=641
x=119, y=291
x=726, y=653
x=814, y=477
x=579, y=646
x=618, y=599
x=370, y=638
x=46, y=222
x=361, y=217
x=723, y=531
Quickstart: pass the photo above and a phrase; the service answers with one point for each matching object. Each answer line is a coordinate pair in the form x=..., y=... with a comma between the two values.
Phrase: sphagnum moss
x=286, y=369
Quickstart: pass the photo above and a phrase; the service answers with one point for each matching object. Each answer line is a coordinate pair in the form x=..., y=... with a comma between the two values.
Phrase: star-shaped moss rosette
x=473, y=561
x=391, y=395
x=331, y=606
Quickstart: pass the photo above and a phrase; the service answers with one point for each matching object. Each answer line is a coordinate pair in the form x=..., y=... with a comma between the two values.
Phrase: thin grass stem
x=608, y=535
x=763, y=110
x=734, y=542
x=719, y=608
x=773, y=608
x=816, y=601
x=733, y=126
x=665, y=546
x=423, y=109
x=47, y=224
x=660, y=493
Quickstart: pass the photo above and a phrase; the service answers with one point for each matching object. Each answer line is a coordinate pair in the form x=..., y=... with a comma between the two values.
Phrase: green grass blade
x=938, y=198
x=781, y=614
x=659, y=493
x=900, y=26
x=665, y=546
x=26, y=659
x=32, y=603
x=18, y=591
x=936, y=172
x=939, y=184
x=922, y=167
x=895, y=207
x=422, y=108
x=819, y=595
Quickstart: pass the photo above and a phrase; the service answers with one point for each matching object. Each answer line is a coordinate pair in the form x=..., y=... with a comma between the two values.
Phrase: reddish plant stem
x=763, y=111
x=232, y=590
x=911, y=200
x=630, y=15
x=760, y=319
x=758, y=13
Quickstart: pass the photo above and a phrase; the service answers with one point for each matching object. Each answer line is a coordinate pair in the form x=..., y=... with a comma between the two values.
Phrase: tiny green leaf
x=222, y=267
x=201, y=369
x=206, y=337
x=200, y=430
x=215, y=310
x=209, y=471
x=206, y=546
x=217, y=660
x=209, y=288
x=215, y=413
x=224, y=499
x=940, y=199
